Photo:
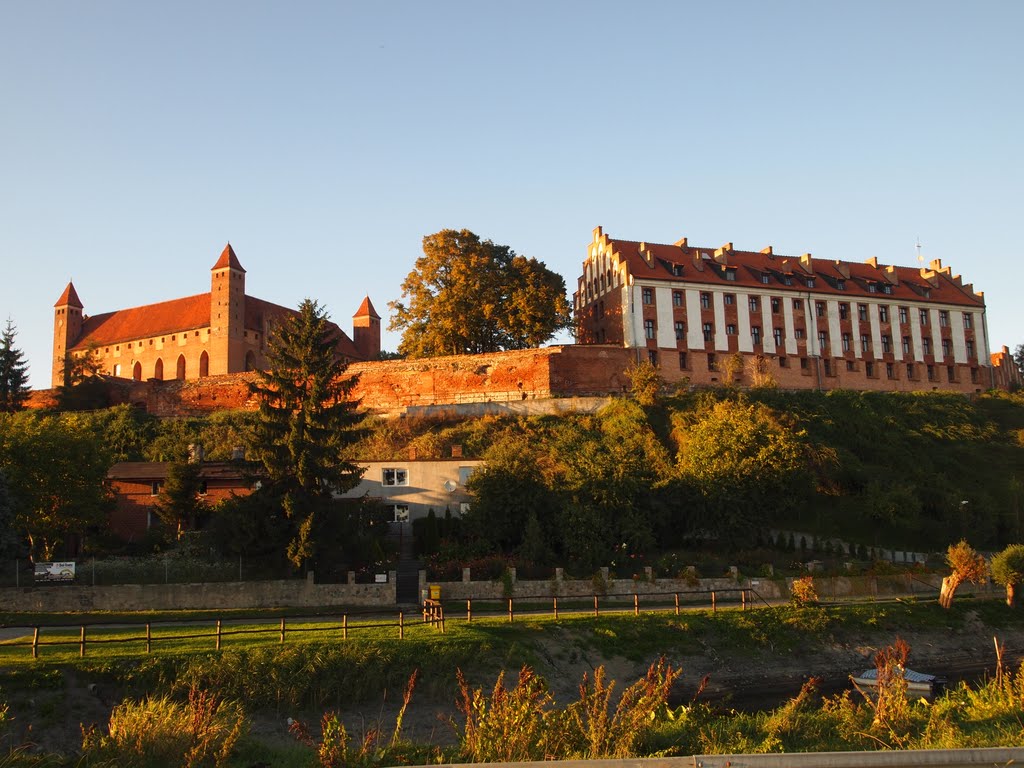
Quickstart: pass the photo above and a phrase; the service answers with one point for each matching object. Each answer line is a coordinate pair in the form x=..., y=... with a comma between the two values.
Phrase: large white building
x=708, y=314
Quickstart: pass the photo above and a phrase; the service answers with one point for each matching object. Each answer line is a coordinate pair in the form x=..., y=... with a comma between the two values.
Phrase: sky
x=324, y=140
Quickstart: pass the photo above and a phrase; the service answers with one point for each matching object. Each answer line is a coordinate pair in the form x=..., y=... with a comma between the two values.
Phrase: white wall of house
x=413, y=487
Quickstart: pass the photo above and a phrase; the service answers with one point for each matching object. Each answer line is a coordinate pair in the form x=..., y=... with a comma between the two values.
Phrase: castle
x=723, y=316
x=220, y=332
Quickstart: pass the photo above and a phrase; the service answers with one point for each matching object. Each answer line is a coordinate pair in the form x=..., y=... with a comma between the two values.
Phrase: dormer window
x=787, y=280
x=886, y=288
x=730, y=275
x=841, y=285
x=677, y=270
x=810, y=282
x=872, y=288
x=765, y=278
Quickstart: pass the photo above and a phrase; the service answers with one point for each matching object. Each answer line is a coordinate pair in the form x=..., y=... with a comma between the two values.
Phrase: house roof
x=148, y=471
x=228, y=259
x=69, y=298
x=366, y=309
x=682, y=263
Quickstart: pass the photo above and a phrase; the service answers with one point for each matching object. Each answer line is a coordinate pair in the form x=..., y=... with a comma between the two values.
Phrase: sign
x=55, y=571
x=380, y=578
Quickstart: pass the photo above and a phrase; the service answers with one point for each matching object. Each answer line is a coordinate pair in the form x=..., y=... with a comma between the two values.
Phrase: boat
x=918, y=683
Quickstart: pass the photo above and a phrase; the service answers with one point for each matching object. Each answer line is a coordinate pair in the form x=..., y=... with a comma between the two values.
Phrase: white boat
x=918, y=683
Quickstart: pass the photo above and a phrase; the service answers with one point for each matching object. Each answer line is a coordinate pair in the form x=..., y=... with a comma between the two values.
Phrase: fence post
x=743, y=599
x=17, y=573
x=636, y=604
x=677, y=603
x=555, y=599
x=218, y=634
x=149, y=639
x=401, y=625
x=714, y=603
x=469, y=610
x=35, y=643
x=282, y=629
x=596, y=611
x=81, y=643
x=510, y=615
x=344, y=626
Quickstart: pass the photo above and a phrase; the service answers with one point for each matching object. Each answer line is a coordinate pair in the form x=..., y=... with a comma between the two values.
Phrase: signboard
x=380, y=578
x=55, y=571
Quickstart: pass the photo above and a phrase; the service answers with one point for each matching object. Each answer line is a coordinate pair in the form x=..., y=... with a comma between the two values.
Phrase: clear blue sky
x=324, y=140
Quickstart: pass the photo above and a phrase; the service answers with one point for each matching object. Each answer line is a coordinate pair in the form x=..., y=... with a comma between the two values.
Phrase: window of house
x=840, y=285
x=464, y=474
x=705, y=300
x=947, y=348
x=730, y=330
x=924, y=316
x=395, y=476
x=950, y=374
x=828, y=366
x=652, y=356
x=649, y=329
x=910, y=371
x=890, y=371
x=886, y=344
x=798, y=333
x=154, y=488
x=906, y=345
x=203, y=488
x=970, y=348
x=783, y=362
x=872, y=288
x=886, y=288
x=677, y=298
x=647, y=295
x=755, y=305
x=803, y=363
x=400, y=513
x=680, y=330
x=755, y=334
x=851, y=365
x=682, y=361
x=730, y=299
x=931, y=373
x=862, y=312
x=846, y=342
x=865, y=343
x=677, y=271
x=844, y=310
x=974, y=375
x=810, y=282
x=869, y=369
x=787, y=280
x=776, y=305
x=709, y=331
x=777, y=335
x=765, y=278
x=926, y=345
x=944, y=318
x=903, y=315
x=730, y=275
x=798, y=304
x=883, y=313
x=819, y=308
x=711, y=363
x=822, y=339
x=968, y=322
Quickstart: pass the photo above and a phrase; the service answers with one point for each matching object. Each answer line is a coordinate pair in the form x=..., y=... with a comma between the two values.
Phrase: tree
x=966, y=565
x=1008, y=569
x=645, y=382
x=306, y=425
x=13, y=372
x=1018, y=358
x=83, y=387
x=467, y=296
x=8, y=535
x=180, y=506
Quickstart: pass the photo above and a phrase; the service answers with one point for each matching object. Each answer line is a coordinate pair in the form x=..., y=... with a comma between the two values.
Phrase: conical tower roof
x=366, y=310
x=69, y=298
x=228, y=259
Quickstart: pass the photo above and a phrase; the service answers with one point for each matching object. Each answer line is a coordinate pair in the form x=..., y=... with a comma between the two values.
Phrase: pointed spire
x=228, y=259
x=69, y=298
x=366, y=310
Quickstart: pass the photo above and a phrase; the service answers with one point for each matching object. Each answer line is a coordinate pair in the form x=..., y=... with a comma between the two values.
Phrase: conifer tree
x=305, y=426
x=180, y=505
x=13, y=372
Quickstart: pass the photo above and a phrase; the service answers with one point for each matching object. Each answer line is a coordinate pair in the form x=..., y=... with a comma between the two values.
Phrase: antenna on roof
x=920, y=258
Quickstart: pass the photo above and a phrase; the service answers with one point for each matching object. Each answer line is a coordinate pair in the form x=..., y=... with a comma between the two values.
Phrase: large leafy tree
x=306, y=426
x=466, y=296
x=13, y=372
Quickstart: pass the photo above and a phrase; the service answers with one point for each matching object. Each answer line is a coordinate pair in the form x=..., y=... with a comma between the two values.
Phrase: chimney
x=412, y=453
x=195, y=453
x=456, y=451
x=238, y=453
x=767, y=251
x=680, y=243
x=872, y=262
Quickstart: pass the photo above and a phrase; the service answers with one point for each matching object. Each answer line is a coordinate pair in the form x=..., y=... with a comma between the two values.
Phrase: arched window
x=204, y=364
x=250, y=361
x=181, y=367
x=137, y=371
x=158, y=369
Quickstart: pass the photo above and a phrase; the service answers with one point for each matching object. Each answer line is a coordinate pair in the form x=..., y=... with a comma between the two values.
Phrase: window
x=705, y=301
x=776, y=306
x=755, y=334
x=970, y=348
x=926, y=345
x=787, y=280
x=968, y=322
x=947, y=348
x=846, y=342
x=394, y=476
x=810, y=282
x=677, y=271
x=464, y=474
x=822, y=340
x=906, y=345
x=890, y=371
x=910, y=371
x=931, y=373
x=755, y=305
x=950, y=374
x=886, y=345
x=798, y=303
x=709, y=330
x=862, y=312
x=903, y=315
x=777, y=334
x=765, y=278
x=649, y=329
x=865, y=343
x=730, y=275
x=886, y=288
x=154, y=488
x=652, y=356
x=203, y=488
x=872, y=288
x=840, y=285
x=944, y=318
x=647, y=295
x=798, y=333
x=883, y=313
x=680, y=330
x=819, y=308
x=677, y=298
x=851, y=365
x=844, y=310
x=974, y=375
x=682, y=361
x=869, y=369
x=924, y=317
x=803, y=363
x=782, y=362
x=730, y=330
x=828, y=366
x=711, y=363
x=400, y=513
x=730, y=299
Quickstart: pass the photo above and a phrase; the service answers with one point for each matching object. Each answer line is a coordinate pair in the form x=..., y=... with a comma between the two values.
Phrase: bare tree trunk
x=1011, y=594
x=949, y=586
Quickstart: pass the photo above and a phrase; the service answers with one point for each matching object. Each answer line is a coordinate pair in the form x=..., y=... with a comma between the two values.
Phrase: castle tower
x=227, y=314
x=67, y=327
x=366, y=330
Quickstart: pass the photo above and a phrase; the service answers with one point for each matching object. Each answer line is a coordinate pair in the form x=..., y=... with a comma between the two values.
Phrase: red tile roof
x=150, y=320
x=680, y=262
x=228, y=259
x=366, y=309
x=69, y=298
